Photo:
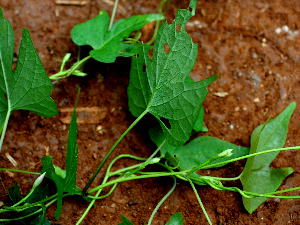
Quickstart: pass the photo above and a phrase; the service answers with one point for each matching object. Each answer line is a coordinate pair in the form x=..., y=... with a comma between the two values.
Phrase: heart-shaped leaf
x=26, y=88
x=107, y=44
x=158, y=85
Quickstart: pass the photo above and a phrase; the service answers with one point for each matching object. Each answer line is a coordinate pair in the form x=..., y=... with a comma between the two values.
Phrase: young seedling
x=106, y=39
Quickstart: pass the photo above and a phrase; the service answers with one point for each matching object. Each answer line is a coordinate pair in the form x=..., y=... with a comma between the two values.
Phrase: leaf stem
x=122, y=171
x=162, y=12
x=64, y=74
x=24, y=207
x=107, y=176
x=113, y=14
x=5, y=125
x=203, y=164
x=19, y=171
x=93, y=201
x=23, y=217
x=162, y=201
x=112, y=149
x=199, y=200
x=25, y=198
x=123, y=179
x=104, y=196
x=222, y=178
x=147, y=161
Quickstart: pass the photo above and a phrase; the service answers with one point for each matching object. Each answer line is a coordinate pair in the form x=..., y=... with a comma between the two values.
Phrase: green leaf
x=39, y=221
x=14, y=193
x=198, y=126
x=128, y=50
x=65, y=180
x=159, y=86
x=28, y=87
x=263, y=181
x=197, y=151
x=257, y=176
x=72, y=154
x=125, y=221
x=157, y=136
x=40, y=193
x=193, y=6
x=49, y=168
x=60, y=172
x=201, y=149
x=176, y=219
x=107, y=44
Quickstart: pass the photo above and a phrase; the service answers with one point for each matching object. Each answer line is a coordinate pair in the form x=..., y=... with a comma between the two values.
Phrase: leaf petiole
x=147, y=161
x=113, y=14
x=162, y=201
x=4, y=127
x=19, y=171
x=161, y=12
x=123, y=179
x=199, y=200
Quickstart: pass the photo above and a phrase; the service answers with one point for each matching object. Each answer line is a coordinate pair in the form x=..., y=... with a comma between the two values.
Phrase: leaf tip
x=293, y=105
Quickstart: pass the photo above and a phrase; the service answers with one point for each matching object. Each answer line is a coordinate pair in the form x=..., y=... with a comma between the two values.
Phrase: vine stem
x=162, y=201
x=28, y=215
x=113, y=14
x=107, y=176
x=248, y=156
x=65, y=74
x=161, y=12
x=143, y=165
x=93, y=202
x=5, y=126
x=112, y=149
x=123, y=179
x=199, y=200
x=25, y=198
x=19, y=171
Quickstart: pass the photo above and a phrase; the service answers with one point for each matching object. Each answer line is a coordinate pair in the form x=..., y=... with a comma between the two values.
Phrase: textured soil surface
x=252, y=45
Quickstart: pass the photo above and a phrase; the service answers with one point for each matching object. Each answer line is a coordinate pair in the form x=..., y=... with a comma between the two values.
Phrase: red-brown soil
x=239, y=40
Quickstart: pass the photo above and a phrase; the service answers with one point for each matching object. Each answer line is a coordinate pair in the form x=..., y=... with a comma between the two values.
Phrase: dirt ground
x=252, y=45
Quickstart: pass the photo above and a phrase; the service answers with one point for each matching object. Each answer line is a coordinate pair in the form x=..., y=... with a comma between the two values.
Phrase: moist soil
x=253, y=46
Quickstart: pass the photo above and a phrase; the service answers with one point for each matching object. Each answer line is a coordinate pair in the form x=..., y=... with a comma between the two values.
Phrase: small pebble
x=278, y=30
x=256, y=100
x=276, y=199
x=254, y=55
x=285, y=28
x=133, y=202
